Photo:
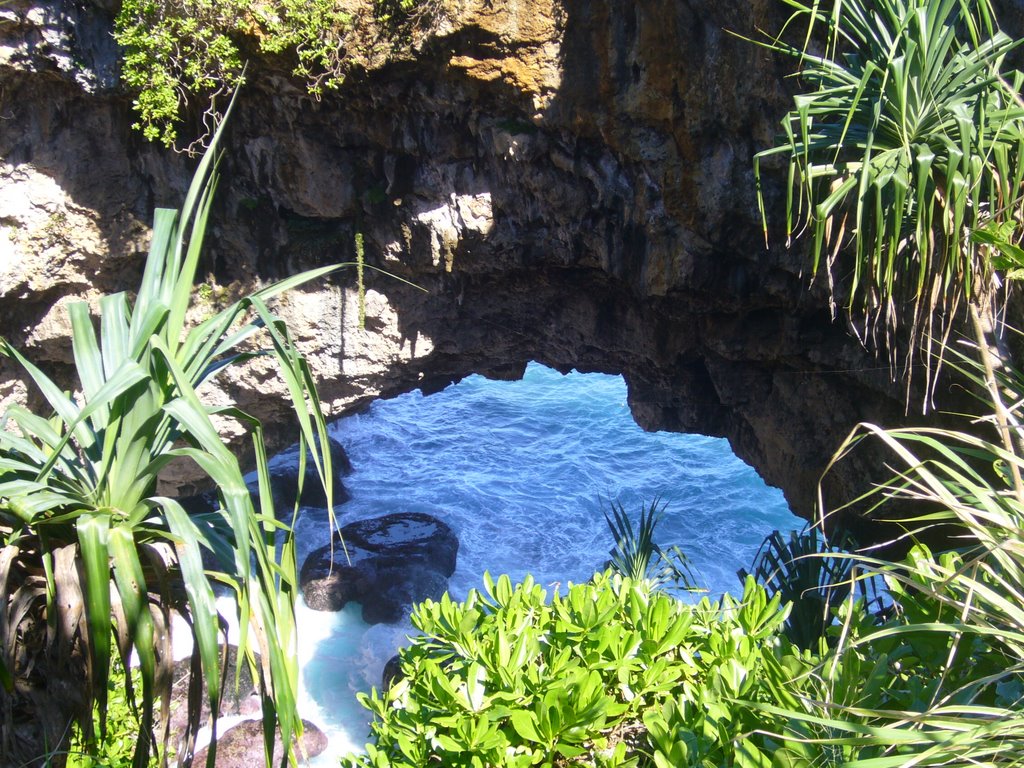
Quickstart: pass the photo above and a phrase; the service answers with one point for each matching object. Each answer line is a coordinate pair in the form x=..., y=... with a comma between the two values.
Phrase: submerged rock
x=386, y=564
x=237, y=700
x=284, y=484
x=392, y=672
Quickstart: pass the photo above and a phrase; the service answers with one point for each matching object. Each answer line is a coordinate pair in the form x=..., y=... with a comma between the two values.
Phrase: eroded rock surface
x=386, y=564
x=240, y=730
x=569, y=181
x=242, y=699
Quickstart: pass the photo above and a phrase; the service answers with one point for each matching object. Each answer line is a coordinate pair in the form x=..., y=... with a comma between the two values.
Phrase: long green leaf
x=204, y=617
x=93, y=540
x=133, y=592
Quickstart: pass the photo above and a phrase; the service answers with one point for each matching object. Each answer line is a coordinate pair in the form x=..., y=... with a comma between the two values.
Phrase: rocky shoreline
x=386, y=564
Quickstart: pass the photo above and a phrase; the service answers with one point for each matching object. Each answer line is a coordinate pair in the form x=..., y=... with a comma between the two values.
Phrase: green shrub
x=181, y=52
x=117, y=747
x=608, y=674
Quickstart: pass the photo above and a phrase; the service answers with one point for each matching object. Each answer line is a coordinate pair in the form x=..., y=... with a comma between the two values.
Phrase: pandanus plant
x=941, y=681
x=92, y=559
x=909, y=138
x=905, y=165
x=638, y=556
x=815, y=574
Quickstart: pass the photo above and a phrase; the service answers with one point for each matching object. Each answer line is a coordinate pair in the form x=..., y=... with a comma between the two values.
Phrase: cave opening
x=503, y=461
x=522, y=471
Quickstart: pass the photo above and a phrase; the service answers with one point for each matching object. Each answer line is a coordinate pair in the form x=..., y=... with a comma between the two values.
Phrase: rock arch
x=569, y=181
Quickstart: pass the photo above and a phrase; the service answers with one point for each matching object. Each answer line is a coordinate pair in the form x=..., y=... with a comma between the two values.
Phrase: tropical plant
x=814, y=574
x=87, y=547
x=608, y=674
x=637, y=556
x=908, y=155
x=942, y=681
x=910, y=139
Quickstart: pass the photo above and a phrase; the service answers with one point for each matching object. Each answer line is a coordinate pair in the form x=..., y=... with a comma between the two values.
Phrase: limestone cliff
x=569, y=180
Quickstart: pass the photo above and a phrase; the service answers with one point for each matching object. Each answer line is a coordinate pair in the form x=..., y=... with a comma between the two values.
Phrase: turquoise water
x=521, y=471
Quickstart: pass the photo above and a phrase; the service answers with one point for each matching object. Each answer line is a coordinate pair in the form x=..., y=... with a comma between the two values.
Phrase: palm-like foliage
x=947, y=673
x=910, y=139
x=87, y=546
x=637, y=556
x=905, y=164
x=812, y=573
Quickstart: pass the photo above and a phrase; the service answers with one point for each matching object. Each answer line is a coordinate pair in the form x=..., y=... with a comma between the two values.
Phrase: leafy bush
x=613, y=674
x=178, y=51
x=172, y=49
x=609, y=674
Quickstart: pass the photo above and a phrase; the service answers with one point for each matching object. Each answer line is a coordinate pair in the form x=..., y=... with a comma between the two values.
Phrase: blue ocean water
x=522, y=471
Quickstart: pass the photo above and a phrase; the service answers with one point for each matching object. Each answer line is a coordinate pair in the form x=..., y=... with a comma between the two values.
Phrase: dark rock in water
x=284, y=479
x=242, y=743
x=392, y=672
x=200, y=503
x=241, y=746
x=392, y=562
x=284, y=484
x=394, y=590
x=402, y=537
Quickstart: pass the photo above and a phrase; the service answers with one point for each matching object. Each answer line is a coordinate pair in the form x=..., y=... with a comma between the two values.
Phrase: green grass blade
x=115, y=325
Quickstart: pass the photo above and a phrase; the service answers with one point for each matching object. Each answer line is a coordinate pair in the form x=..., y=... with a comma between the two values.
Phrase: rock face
x=569, y=180
x=385, y=564
x=242, y=699
x=240, y=741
